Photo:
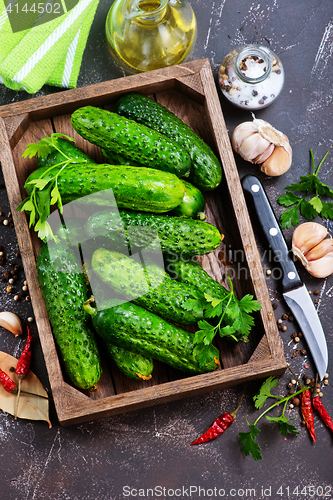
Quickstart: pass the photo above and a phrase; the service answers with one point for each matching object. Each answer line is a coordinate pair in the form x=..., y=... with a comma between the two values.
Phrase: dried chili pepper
x=9, y=385
x=306, y=407
x=6, y=382
x=219, y=425
x=307, y=413
x=318, y=405
x=23, y=366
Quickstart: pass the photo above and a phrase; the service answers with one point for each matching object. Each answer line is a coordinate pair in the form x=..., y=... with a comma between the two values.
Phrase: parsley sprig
x=248, y=439
x=310, y=185
x=45, y=192
x=234, y=320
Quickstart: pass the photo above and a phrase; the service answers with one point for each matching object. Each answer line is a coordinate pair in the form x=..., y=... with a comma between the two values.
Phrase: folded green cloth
x=48, y=53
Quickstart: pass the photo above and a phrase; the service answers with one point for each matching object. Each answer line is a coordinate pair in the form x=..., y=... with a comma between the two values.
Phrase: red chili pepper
x=23, y=365
x=9, y=385
x=306, y=409
x=7, y=382
x=318, y=405
x=219, y=425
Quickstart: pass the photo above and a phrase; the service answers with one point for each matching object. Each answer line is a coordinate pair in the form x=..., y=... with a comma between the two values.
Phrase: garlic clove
x=320, y=250
x=307, y=236
x=258, y=142
x=241, y=132
x=321, y=268
x=11, y=322
x=278, y=163
x=253, y=146
x=266, y=154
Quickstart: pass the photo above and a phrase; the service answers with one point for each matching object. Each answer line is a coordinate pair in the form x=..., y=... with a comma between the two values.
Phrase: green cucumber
x=136, y=188
x=173, y=235
x=132, y=327
x=118, y=159
x=132, y=140
x=191, y=273
x=149, y=287
x=132, y=364
x=193, y=204
x=206, y=171
x=63, y=289
x=67, y=149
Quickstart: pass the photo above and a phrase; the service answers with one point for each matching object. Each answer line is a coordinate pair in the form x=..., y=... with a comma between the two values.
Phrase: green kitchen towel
x=49, y=53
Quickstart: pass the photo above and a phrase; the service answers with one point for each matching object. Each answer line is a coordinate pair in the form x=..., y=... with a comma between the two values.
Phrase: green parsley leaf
x=285, y=427
x=265, y=392
x=248, y=442
x=327, y=210
x=316, y=203
x=309, y=184
x=45, y=192
x=204, y=354
x=289, y=217
x=288, y=199
x=307, y=210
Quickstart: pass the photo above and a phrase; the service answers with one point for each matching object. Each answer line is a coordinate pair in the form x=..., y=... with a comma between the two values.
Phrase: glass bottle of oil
x=143, y=35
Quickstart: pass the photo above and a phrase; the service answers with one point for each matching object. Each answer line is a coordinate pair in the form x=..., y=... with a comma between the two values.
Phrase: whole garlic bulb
x=313, y=246
x=260, y=143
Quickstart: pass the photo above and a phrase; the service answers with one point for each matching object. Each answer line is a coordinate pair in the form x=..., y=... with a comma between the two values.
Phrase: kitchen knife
x=294, y=291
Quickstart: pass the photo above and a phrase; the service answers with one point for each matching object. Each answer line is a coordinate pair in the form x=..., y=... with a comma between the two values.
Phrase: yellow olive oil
x=143, y=35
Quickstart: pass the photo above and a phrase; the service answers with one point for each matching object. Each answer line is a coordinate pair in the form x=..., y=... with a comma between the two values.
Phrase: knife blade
x=293, y=289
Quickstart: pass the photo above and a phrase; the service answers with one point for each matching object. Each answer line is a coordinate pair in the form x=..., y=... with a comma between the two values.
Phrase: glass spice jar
x=251, y=77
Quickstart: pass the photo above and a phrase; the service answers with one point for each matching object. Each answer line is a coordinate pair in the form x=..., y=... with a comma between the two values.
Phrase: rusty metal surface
x=138, y=454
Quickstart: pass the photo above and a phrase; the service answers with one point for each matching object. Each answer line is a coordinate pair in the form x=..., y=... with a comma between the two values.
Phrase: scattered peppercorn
x=9, y=289
x=274, y=305
x=284, y=328
x=303, y=352
x=296, y=401
x=285, y=316
x=296, y=339
x=316, y=292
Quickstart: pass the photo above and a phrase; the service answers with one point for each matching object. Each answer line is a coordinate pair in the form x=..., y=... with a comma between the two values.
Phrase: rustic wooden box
x=190, y=92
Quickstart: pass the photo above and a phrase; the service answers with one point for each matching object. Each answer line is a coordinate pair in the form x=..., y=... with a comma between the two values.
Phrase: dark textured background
x=151, y=447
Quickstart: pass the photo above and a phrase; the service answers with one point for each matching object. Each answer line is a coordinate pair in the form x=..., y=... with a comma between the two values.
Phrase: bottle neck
x=253, y=65
x=146, y=11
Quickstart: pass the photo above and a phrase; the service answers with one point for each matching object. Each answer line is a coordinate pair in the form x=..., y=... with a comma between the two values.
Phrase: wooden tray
x=189, y=91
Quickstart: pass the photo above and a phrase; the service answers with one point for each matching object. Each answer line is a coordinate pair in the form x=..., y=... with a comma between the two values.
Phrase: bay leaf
x=31, y=406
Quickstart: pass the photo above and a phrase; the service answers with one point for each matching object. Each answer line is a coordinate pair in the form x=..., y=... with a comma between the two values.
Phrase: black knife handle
x=270, y=226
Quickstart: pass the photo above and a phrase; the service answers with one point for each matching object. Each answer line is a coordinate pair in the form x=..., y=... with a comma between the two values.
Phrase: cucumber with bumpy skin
x=132, y=327
x=136, y=188
x=132, y=364
x=118, y=159
x=206, y=171
x=149, y=287
x=173, y=235
x=192, y=205
x=136, y=142
x=64, y=291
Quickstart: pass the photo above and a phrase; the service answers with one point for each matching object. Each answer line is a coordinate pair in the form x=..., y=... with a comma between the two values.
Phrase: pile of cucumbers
x=157, y=169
